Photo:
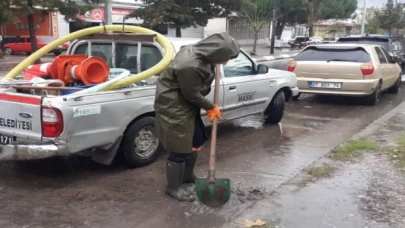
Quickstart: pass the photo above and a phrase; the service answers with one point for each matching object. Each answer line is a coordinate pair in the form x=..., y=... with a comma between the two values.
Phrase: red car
x=23, y=44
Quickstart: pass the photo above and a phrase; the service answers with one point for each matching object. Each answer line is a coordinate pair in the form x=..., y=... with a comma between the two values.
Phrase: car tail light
x=367, y=68
x=291, y=66
x=52, y=122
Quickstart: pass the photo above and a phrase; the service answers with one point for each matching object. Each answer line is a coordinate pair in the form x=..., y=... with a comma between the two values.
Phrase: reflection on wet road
x=74, y=192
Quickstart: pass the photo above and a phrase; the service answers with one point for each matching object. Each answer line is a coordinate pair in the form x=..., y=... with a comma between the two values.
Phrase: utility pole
x=363, y=19
x=274, y=26
x=108, y=12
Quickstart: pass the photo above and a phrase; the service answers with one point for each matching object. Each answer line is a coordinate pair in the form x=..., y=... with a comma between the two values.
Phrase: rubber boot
x=175, y=175
x=189, y=176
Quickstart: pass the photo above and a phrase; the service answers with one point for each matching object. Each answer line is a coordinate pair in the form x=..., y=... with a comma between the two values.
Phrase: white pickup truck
x=122, y=121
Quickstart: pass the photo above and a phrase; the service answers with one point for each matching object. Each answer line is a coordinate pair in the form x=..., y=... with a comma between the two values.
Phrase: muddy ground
x=366, y=191
x=259, y=158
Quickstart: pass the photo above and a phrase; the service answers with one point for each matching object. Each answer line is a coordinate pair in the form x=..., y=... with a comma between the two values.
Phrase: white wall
x=63, y=25
x=215, y=25
x=188, y=32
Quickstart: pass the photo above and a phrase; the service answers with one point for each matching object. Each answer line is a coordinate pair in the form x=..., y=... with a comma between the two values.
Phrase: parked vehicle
x=393, y=45
x=298, y=41
x=346, y=69
x=23, y=44
x=7, y=39
x=123, y=120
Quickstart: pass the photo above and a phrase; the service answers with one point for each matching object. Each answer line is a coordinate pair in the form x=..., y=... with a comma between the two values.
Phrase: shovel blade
x=215, y=194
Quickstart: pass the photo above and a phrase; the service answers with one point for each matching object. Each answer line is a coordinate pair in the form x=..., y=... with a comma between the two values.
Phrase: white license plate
x=5, y=139
x=329, y=85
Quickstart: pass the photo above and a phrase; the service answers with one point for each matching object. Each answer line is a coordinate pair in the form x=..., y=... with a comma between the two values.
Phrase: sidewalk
x=358, y=188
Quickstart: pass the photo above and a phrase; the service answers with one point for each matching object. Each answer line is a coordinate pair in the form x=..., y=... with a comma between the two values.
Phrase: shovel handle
x=211, y=172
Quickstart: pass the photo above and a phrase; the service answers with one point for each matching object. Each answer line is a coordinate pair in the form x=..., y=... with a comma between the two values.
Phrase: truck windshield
x=346, y=54
x=126, y=55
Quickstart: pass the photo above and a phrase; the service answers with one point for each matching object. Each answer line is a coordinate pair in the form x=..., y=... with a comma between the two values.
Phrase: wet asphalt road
x=74, y=192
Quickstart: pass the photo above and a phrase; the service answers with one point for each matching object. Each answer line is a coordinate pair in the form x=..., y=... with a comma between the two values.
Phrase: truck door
x=245, y=91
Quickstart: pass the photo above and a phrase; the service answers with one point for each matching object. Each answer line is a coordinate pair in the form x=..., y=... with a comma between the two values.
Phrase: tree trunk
x=255, y=41
x=31, y=28
x=311, y=20
x=178, y=31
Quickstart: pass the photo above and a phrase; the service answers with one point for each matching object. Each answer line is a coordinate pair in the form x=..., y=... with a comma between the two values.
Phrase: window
x=126, y=55
x=388, y=56
x=20, y=40
x=28, y=40
x=46, y=39
x=240, y=66
x=380, y=55
x=329, y=53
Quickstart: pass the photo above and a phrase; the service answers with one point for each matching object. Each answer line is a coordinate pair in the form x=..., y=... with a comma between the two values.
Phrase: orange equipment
x=68, y=68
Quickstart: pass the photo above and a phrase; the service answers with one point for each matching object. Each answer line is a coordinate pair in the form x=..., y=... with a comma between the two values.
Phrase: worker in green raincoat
x=180, y=96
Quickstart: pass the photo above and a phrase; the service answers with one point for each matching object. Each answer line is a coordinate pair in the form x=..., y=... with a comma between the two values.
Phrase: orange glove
x=215, y=112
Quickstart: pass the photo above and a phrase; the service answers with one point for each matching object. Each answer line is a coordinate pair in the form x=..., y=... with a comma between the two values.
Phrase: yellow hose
x=167, y=58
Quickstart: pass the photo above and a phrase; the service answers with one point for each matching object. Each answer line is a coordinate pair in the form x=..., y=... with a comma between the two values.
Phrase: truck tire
x=374, y=98
x=275, y=112
x=139, y=146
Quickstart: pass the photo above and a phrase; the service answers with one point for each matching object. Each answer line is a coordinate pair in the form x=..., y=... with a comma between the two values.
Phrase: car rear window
x=363, y=40
x=347, y=54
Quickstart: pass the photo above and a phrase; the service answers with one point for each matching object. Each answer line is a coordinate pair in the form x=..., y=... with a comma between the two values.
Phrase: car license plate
x=5, y=139
x=329, y=85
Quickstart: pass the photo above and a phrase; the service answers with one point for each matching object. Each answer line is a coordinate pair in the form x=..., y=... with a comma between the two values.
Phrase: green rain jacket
x=182, y=87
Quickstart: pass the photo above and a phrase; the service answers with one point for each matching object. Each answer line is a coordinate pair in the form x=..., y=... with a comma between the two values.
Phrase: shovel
x=211, y=191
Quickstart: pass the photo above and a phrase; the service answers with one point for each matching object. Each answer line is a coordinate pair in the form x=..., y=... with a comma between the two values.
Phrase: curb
x=275, y=57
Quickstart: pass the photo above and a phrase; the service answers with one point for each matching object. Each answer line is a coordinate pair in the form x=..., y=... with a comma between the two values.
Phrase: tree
x=255, y=14
x=289, y=12
x=5, y=17
x=391, y=16
x=68, y=8
x=372, y=21
x=183, y=13
x=327, y=9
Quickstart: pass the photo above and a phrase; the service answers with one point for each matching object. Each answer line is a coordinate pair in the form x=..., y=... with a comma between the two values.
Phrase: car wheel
x=396, y=87
x=295, y=98
x=374, y=98
x=275, y=112
x=9, y=51
x=140, y=146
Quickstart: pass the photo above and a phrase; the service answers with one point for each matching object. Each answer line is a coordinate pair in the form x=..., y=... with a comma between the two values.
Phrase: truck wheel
x=374, y=98
x=9, y=51
x=275, y=111
x=140, y=146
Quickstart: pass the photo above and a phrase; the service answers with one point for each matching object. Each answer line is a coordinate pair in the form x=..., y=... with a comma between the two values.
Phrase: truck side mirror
x=262, y=69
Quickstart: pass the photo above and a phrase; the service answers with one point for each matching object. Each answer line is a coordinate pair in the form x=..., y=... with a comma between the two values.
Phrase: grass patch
x=321, y=172
x=353, y=149
x=398, y=153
